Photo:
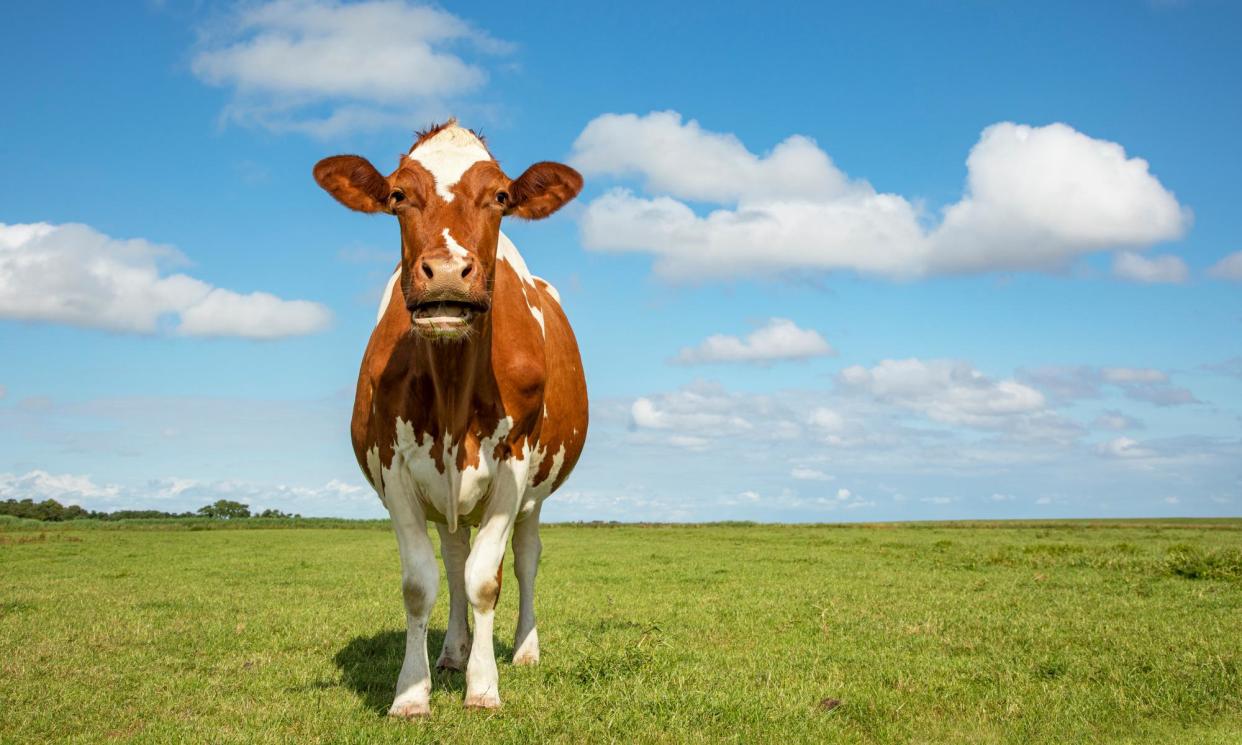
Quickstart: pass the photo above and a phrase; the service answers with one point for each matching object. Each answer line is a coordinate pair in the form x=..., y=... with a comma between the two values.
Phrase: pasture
x=1125, y=631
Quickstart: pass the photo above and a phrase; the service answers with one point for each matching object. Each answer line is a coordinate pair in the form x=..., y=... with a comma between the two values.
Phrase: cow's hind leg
x=420, y=578
x=526, y=550
x=454, y=548
x=483, y=583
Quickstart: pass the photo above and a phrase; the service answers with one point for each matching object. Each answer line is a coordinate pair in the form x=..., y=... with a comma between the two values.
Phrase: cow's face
x=449, y=196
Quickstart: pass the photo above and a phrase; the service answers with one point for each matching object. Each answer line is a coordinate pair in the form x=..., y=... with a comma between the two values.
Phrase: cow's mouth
x=445, y=318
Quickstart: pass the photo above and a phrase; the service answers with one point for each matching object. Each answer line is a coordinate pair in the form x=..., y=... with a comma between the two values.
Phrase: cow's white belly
x=413, y=474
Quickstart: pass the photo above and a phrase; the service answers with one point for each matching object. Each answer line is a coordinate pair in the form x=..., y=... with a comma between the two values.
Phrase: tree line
x=53, y=511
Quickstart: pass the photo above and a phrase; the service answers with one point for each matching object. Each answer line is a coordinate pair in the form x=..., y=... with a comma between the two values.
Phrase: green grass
x=1120, y=631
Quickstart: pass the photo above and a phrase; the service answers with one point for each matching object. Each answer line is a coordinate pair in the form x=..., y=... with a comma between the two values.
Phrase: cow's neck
x=461, y=375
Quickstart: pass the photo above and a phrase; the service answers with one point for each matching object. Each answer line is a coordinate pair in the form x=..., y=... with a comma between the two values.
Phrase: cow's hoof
x=482, y=701
x=453, y=655
x=410, y=710
x=526, y=657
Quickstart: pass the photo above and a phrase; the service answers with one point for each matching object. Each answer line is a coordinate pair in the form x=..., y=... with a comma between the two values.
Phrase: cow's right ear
x=353, y=182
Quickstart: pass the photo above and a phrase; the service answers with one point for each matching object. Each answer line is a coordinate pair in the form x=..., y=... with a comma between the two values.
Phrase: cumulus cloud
x=1036, y=198
x=871, y=412
x=802, y=473
x=65, y=488
x=1229, y=268
x=73, y=274
x=324, y=68
x=1166, y=269
x=687, y=162
x=704, y=411
x=947, y=391
x=778, y=339
x=826, y=419
x=258, y=315
x=1071, y=383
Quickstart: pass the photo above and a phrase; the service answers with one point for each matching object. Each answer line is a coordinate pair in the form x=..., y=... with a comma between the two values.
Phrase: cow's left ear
x=543, y=189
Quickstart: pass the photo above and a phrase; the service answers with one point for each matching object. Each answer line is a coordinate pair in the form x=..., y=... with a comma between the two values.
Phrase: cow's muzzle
x=446, y=317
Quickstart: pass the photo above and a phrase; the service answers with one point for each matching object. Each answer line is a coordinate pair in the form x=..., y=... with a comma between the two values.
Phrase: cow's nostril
x=466, y=272
x=427, y=270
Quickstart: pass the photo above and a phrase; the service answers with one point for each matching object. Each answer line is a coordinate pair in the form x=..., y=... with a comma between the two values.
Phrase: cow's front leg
x=454, y=548
x=526, y=550
x=483, y=582
x=420, y=578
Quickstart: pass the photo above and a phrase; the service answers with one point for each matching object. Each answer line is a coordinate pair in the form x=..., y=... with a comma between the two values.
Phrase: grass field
x=975, y=632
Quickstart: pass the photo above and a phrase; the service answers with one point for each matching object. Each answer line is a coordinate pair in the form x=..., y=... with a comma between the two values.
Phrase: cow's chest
x=449, y=477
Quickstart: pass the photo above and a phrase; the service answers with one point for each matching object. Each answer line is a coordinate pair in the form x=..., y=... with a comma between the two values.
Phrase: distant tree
x=48, y=509
x=225, y=509
x=275, y=513
x=53, y=511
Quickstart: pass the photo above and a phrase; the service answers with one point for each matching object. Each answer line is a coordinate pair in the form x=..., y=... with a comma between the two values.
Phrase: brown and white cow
x=471, y=405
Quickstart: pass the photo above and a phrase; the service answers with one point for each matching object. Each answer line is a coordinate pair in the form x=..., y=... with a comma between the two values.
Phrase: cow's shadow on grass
x=369, y=666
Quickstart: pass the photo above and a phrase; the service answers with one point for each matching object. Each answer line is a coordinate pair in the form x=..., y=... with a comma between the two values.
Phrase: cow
x=471, y=405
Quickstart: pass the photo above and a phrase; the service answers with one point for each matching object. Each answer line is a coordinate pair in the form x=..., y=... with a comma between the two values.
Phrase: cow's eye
x=502, y=198
x=397, y=196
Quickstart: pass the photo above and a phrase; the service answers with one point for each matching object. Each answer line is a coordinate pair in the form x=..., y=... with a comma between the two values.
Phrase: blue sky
x=906, y=260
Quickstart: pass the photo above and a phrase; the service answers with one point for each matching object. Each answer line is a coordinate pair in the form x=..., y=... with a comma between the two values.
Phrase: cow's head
x=449, y=195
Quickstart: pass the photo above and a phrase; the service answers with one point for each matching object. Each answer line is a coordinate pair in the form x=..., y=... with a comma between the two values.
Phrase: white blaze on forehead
x=447, y=155
x=453, y=246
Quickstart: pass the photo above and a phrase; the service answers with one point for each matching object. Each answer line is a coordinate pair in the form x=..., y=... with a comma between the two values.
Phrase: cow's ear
x=543, y=189
x=353, y=182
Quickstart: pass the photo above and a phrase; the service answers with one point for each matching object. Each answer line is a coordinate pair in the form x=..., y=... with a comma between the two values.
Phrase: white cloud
x=75, y=275
x=1124, y=447
x=1002, y=497
x=873, y=412
x=687, y=162
x=324, y=67
x=1166, y=269
x=1078, y=382
x=65, y=488
x=803, y=473
x=1229, y=267
x=778, y=339
x=705, y=411
x=1036, y=199
x=946, y=391
x=258, y=315
x=827, y=419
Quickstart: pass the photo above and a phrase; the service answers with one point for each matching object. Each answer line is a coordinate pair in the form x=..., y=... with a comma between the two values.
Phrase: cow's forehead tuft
x=447, y=155
x=447, y=138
